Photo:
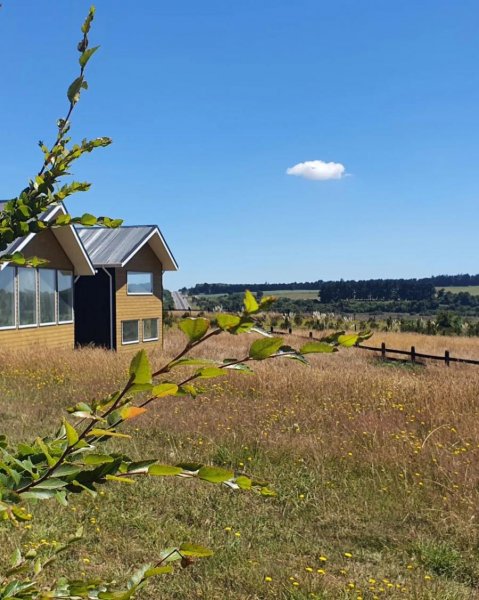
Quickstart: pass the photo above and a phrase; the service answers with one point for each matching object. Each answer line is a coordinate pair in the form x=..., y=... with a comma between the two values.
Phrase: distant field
x=292, y=294
x=471, y=289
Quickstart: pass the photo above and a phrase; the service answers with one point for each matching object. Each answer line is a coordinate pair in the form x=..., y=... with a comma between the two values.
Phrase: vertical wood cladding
x=44, y=245
x=139, y=307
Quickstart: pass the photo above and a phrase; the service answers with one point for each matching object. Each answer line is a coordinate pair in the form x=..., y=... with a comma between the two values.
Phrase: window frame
x=150, y=273
x=14, y=326
x=18, y=311
x=153, y=339
x=70, y=321
x=55, y=299
x=137, y=341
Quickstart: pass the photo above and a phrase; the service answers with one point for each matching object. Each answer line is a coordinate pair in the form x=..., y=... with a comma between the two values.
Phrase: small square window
x=139, y=283
x=150, y=330
x=129, y=332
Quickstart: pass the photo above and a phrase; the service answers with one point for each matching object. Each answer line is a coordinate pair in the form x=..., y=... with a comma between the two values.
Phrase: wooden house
x=100, y=286
x=36, y=304
x=121, y=306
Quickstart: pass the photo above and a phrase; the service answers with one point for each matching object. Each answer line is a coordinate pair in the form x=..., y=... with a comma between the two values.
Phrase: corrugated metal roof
x=110, y=247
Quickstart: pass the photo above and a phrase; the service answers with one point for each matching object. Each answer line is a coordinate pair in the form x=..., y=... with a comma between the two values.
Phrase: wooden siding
x=44, y=245
x=51, y=336
x=138, y=307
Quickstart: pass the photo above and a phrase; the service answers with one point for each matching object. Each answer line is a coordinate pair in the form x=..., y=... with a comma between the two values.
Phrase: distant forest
x=333, y=291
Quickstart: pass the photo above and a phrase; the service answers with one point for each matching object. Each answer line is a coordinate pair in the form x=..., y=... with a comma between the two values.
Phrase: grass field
x=375, y=466
x=471, y=289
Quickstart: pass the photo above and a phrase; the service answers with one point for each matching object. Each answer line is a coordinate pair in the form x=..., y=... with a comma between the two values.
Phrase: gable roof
x=116, y=247
x=66, y=236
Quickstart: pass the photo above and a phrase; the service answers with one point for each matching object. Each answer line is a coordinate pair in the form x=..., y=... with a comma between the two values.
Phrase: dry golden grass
x=376, y=468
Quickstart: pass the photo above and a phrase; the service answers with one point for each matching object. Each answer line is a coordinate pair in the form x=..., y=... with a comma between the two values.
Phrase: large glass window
x=47, y=281
x=150, y=329
x=129, y=332
x=7, y=297
x=65, y=296
x=27, y=296
x=139, y=283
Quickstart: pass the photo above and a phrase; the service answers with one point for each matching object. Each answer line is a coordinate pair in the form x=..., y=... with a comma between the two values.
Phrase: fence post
x=446, y=358
x=413, y=354
x=310, y=334
x=383, y=350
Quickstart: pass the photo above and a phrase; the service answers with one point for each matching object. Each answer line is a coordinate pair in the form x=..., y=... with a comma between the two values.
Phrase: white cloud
x=318, y=169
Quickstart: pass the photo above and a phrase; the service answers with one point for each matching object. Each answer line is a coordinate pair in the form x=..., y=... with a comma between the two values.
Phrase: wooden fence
x=412, y=354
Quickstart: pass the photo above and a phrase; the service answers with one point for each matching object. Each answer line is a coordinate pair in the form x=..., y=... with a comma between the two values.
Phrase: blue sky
x=209, y=103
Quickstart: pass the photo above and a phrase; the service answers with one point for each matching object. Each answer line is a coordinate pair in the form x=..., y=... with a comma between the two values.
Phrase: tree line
x=367, y=289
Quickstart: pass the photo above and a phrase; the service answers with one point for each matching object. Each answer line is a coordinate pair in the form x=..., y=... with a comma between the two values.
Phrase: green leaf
x=347, y=340
x=125, y=595
x=266, y=302
x=364, y=335
x=71, y=433
x=164, y=470
x=311, y=347
x=164, y=389
x=140, y=368
x=66, y=469
x=263, y=348
x=43, y=447
x=215, y=474
x=194, y=327
x=195, y=550
x=267, y=492
x=119, y=479
x=187, y=390
x=244, y=326
x=73, y=92
x=63, y=220
x=227, y=322
x=52, y=483
x=97, y=459
x=86, y=25
x=108, y=432
x=241, y=367
x=333, y=337
x=158, y=571
x=250, y=304
x=210, y=373
x=243, y=482
x=88, y=220
x=38, y=494
x=85, y=57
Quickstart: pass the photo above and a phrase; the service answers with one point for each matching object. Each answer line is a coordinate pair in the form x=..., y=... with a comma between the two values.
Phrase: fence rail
x=446, y=358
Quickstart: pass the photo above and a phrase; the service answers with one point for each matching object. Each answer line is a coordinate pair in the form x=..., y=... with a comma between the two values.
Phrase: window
x=65, y=296
x=129, y=332
x=47, y=285
x=7, y=297
x=139, y=283
x=150, y=330
x=27, y=297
